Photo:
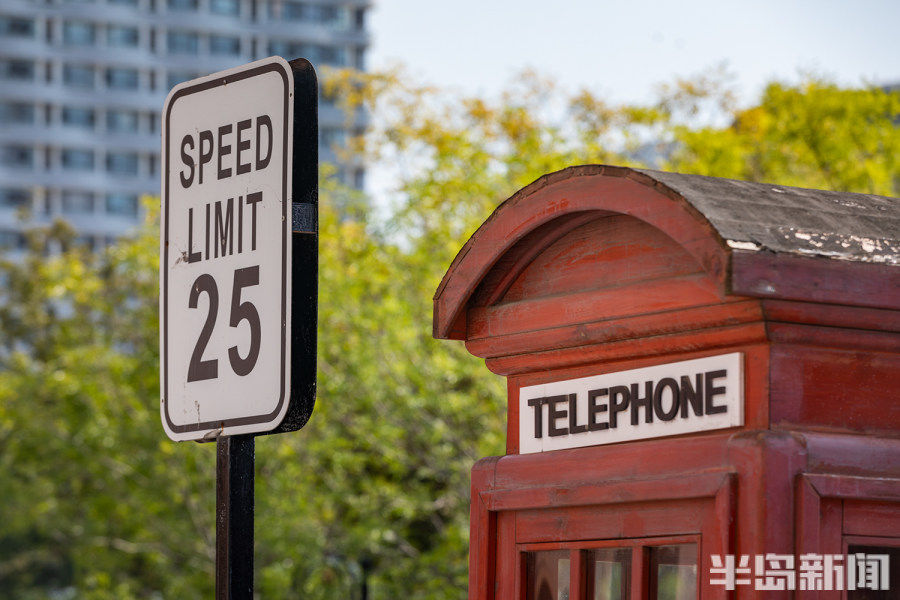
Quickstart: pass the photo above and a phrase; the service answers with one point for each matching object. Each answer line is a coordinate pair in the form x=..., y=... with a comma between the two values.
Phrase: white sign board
x=225, y=254
x=662, y=400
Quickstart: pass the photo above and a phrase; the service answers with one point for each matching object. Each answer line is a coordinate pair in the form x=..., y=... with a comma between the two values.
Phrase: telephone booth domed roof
x=751, y=239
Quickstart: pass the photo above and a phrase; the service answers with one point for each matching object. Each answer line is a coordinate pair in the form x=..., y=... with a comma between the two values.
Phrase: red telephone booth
x=702, y=389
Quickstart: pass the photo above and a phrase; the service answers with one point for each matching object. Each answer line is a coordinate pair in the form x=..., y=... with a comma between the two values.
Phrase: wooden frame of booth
x=598, y=269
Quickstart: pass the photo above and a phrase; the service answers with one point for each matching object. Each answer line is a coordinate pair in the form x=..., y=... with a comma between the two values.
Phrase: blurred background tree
x=97, y=503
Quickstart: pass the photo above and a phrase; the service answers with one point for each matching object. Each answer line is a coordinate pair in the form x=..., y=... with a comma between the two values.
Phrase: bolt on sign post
x=238, y=277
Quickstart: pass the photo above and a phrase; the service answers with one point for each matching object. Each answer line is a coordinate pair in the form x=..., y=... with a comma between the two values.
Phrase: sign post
x=239, y=277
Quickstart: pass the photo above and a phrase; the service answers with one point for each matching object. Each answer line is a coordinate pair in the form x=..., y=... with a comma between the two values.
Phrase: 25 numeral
x=200, y=369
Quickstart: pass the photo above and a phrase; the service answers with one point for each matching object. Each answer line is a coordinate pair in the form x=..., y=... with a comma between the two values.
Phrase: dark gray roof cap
x=777, y=218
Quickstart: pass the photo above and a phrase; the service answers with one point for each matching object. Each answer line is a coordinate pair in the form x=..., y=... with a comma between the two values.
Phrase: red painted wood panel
x=768, y=275
x=832, y=315
x=722, y=339
x=607, y=464
x=604, y=331
x=506, y=583
x=872, y=518
x=841, y=389
x=679, y=517
x=533, y=208
x=588, y=306
x=852, y=455
x=608, y=252
x=483, y=534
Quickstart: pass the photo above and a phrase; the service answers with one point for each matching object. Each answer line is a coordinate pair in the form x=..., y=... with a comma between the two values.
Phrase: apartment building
x=82, y=84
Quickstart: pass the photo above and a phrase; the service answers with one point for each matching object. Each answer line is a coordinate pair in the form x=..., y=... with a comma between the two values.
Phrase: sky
x=624, y=49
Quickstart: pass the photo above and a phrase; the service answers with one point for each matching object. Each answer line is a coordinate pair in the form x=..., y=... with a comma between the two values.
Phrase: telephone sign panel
x=225, y=252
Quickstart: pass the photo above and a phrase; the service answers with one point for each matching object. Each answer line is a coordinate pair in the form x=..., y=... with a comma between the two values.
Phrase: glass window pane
x=288, y=49
x=14, y=197
x=77, y=160
x=77, y=203
x=17, y=69
x=876, y=567
x=182, y=4
x=78, y=117
x=176, y=77
x=182, y=42
x=547, y=575
x=122, y=204
x=224, y=7
x=78, y=33
x=122, y=79
x=609, y=573
x=673, y=572
x=78, y=76
x=11, y=240
x=223, y=44
x=122, y=121
x=122, y=163
x=16, y=112
x=290, y=11
x=16, y=26
x=122, y=36
x=17, y=156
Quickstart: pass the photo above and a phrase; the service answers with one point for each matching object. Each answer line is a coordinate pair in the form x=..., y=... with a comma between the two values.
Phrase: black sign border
x=288, y=128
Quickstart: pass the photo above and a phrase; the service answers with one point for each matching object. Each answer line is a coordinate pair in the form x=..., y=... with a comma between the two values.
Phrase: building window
x=121, y=204
x=17, y=69
x=223, y=44
x=290, y=11
x=122, y=121
x=17, y=156
x=78, y=76
x=122, y=163
x=225, y=7
x=12, y=240
x=88, y=242
x=330, y=55
x=78, y=33
x=14, y=197
x=122, y=79
x=182, y=4
x=16, y=27
x=176, y=77
x=332, y=137
x=78, y=117
x=16, y=113
x=77, y=203
x=325, y=14
x=121, y=36
x=289, y=50
x=77, y=160
x=182, y=42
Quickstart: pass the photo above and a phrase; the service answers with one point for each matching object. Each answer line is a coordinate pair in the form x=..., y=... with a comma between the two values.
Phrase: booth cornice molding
x=751, y=239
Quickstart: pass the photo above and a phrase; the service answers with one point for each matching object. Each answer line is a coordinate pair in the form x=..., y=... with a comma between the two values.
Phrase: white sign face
x=672, y=399
x=225, y=256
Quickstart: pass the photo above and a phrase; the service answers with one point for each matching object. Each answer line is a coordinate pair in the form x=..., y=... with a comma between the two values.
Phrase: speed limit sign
x=226, y=249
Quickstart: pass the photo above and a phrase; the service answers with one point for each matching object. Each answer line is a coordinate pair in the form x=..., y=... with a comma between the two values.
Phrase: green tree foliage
x=814, y=135
x=97, y=503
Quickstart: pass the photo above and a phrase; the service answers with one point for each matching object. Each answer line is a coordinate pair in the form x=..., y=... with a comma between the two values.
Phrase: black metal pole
x=234, y=517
